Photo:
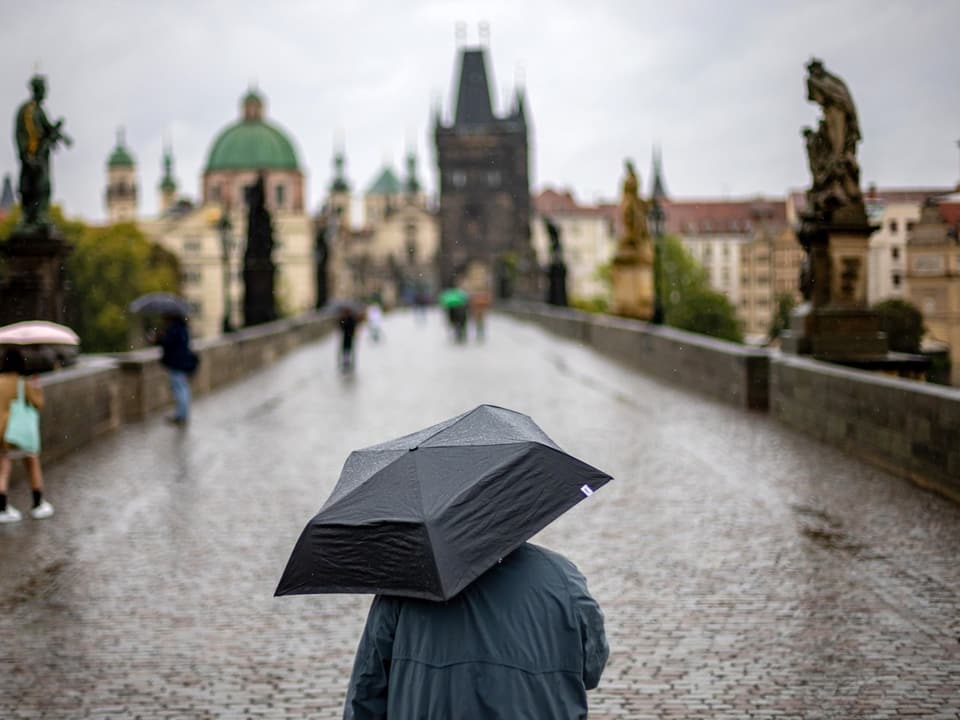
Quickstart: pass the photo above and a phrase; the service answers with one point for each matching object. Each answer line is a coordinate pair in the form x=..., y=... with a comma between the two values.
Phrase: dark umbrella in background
x=342, y=306
x=428, y=513
x=160, y=303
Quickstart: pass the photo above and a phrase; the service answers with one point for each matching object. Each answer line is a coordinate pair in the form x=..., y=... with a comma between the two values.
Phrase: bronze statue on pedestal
x=36, y=136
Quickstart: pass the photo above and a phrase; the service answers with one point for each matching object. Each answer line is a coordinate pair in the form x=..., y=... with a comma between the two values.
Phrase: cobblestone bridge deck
x=745, y=571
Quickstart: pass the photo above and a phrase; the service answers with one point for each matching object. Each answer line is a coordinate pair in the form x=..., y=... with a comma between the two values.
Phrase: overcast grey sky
x=719, y=85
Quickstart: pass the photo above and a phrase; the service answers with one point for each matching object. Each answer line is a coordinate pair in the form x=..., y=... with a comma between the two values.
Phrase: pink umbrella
x=37, y=332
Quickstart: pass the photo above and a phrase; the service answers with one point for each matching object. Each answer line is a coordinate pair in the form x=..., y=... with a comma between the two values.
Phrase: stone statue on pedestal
x=632, y=268
x=36, y=137
x=35, y=253
x=557, y=270
x=834, y=323
x=634, y=211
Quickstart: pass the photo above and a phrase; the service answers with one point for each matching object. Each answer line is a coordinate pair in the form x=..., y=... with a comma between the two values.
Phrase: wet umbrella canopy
x=160, y=303
x=426, y=514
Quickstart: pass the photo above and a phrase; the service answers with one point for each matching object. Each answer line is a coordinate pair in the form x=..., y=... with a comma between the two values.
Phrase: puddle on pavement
x=825, y=530
x=37, y=585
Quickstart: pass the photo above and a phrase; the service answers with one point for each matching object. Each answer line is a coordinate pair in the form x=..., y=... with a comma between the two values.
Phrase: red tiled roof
x=550, y=201
x=723, y=216
x=903, y=195
x=950, y=211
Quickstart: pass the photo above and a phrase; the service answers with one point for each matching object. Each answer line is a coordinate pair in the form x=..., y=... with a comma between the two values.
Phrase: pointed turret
x=412, y=185
x=168, y=185
x=340, y=189
x=339, y=183
x=520, y=106
x=7, y=199
x=659, y=189
x=473, y=93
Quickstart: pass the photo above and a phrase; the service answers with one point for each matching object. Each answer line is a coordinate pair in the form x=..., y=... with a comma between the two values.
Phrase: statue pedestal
x=633, y=283
x=33, y=288
x=836, y=323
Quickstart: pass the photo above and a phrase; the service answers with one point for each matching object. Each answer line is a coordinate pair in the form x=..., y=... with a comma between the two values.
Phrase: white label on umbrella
x=585, y=489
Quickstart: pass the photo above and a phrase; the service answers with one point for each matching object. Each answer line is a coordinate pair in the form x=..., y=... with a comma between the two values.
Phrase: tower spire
x=658, y=189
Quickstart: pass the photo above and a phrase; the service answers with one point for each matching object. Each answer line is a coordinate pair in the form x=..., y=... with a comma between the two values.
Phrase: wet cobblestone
x=745, y=572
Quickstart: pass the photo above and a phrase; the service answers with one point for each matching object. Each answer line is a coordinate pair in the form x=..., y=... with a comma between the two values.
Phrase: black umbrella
x=160, y=303
x=345, y=305
x=426, y=514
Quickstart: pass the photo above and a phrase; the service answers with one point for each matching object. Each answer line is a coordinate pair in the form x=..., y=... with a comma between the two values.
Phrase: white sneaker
x=10, y=515
x=43, y=510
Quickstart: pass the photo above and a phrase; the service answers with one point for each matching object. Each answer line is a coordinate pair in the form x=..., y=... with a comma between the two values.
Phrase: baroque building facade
x=391, y=255
x=208, y=235
x=933, y=273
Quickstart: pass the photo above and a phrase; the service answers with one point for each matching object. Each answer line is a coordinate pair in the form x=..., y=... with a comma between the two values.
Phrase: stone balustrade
x=909, y=428
x=103, y=392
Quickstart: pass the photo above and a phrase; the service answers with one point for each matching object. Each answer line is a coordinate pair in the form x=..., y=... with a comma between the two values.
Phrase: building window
x=280, y=194
x=215, y=193
x=196, y=307
x=192, y=245
x=458, y=178
x=895, y=253
x=910, y=225
x=896, y=280
x=493, y=178
x=929, y=306
x=190, y=276
x=893, y=226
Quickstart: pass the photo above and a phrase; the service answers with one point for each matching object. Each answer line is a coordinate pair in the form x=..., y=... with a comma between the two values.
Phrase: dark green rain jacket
x=525, y=641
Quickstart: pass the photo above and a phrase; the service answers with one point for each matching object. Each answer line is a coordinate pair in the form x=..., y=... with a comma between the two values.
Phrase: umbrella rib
x=426, y=521
x=447, y=427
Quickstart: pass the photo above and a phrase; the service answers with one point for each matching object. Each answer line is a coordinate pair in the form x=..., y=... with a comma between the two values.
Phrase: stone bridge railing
x=106, y=391
x=909, y=428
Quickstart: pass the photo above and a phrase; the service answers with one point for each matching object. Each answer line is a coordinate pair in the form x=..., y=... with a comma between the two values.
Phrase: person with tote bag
x=21, y=399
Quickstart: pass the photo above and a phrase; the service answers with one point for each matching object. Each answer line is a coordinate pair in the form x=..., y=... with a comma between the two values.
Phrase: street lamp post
x=226, y=246
x=656, y=222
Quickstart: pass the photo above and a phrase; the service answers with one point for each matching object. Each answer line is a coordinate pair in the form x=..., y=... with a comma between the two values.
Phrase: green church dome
x=252, y=143
x=385, y=184
x=120, y=157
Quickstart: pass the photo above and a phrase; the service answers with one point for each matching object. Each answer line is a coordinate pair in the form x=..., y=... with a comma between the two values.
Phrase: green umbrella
x=453, y=297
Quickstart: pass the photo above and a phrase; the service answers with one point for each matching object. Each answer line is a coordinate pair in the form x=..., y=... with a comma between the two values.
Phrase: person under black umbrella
x=180, y=361
x=525, y=640
x=469, y=620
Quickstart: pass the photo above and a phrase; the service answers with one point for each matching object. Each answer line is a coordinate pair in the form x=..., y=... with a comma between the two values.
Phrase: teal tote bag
x=23, y=424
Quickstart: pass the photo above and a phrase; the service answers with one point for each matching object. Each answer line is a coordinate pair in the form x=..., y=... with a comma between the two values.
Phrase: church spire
x=658, y=189
x=473, y=93
x=339, y=184
x=412, y=185
x=168, y=184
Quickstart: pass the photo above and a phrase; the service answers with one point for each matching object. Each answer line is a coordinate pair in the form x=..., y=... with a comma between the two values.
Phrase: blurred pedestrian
x=13, y=386
x=374, y=320
x=479, y=302
x=524, y=640
x=349, y=319
x=180, y=361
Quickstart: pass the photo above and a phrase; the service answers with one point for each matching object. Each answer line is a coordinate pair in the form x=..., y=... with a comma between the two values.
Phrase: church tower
x=168, y=186
x=121, y=184
x=484, y=184
x=340, y=190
